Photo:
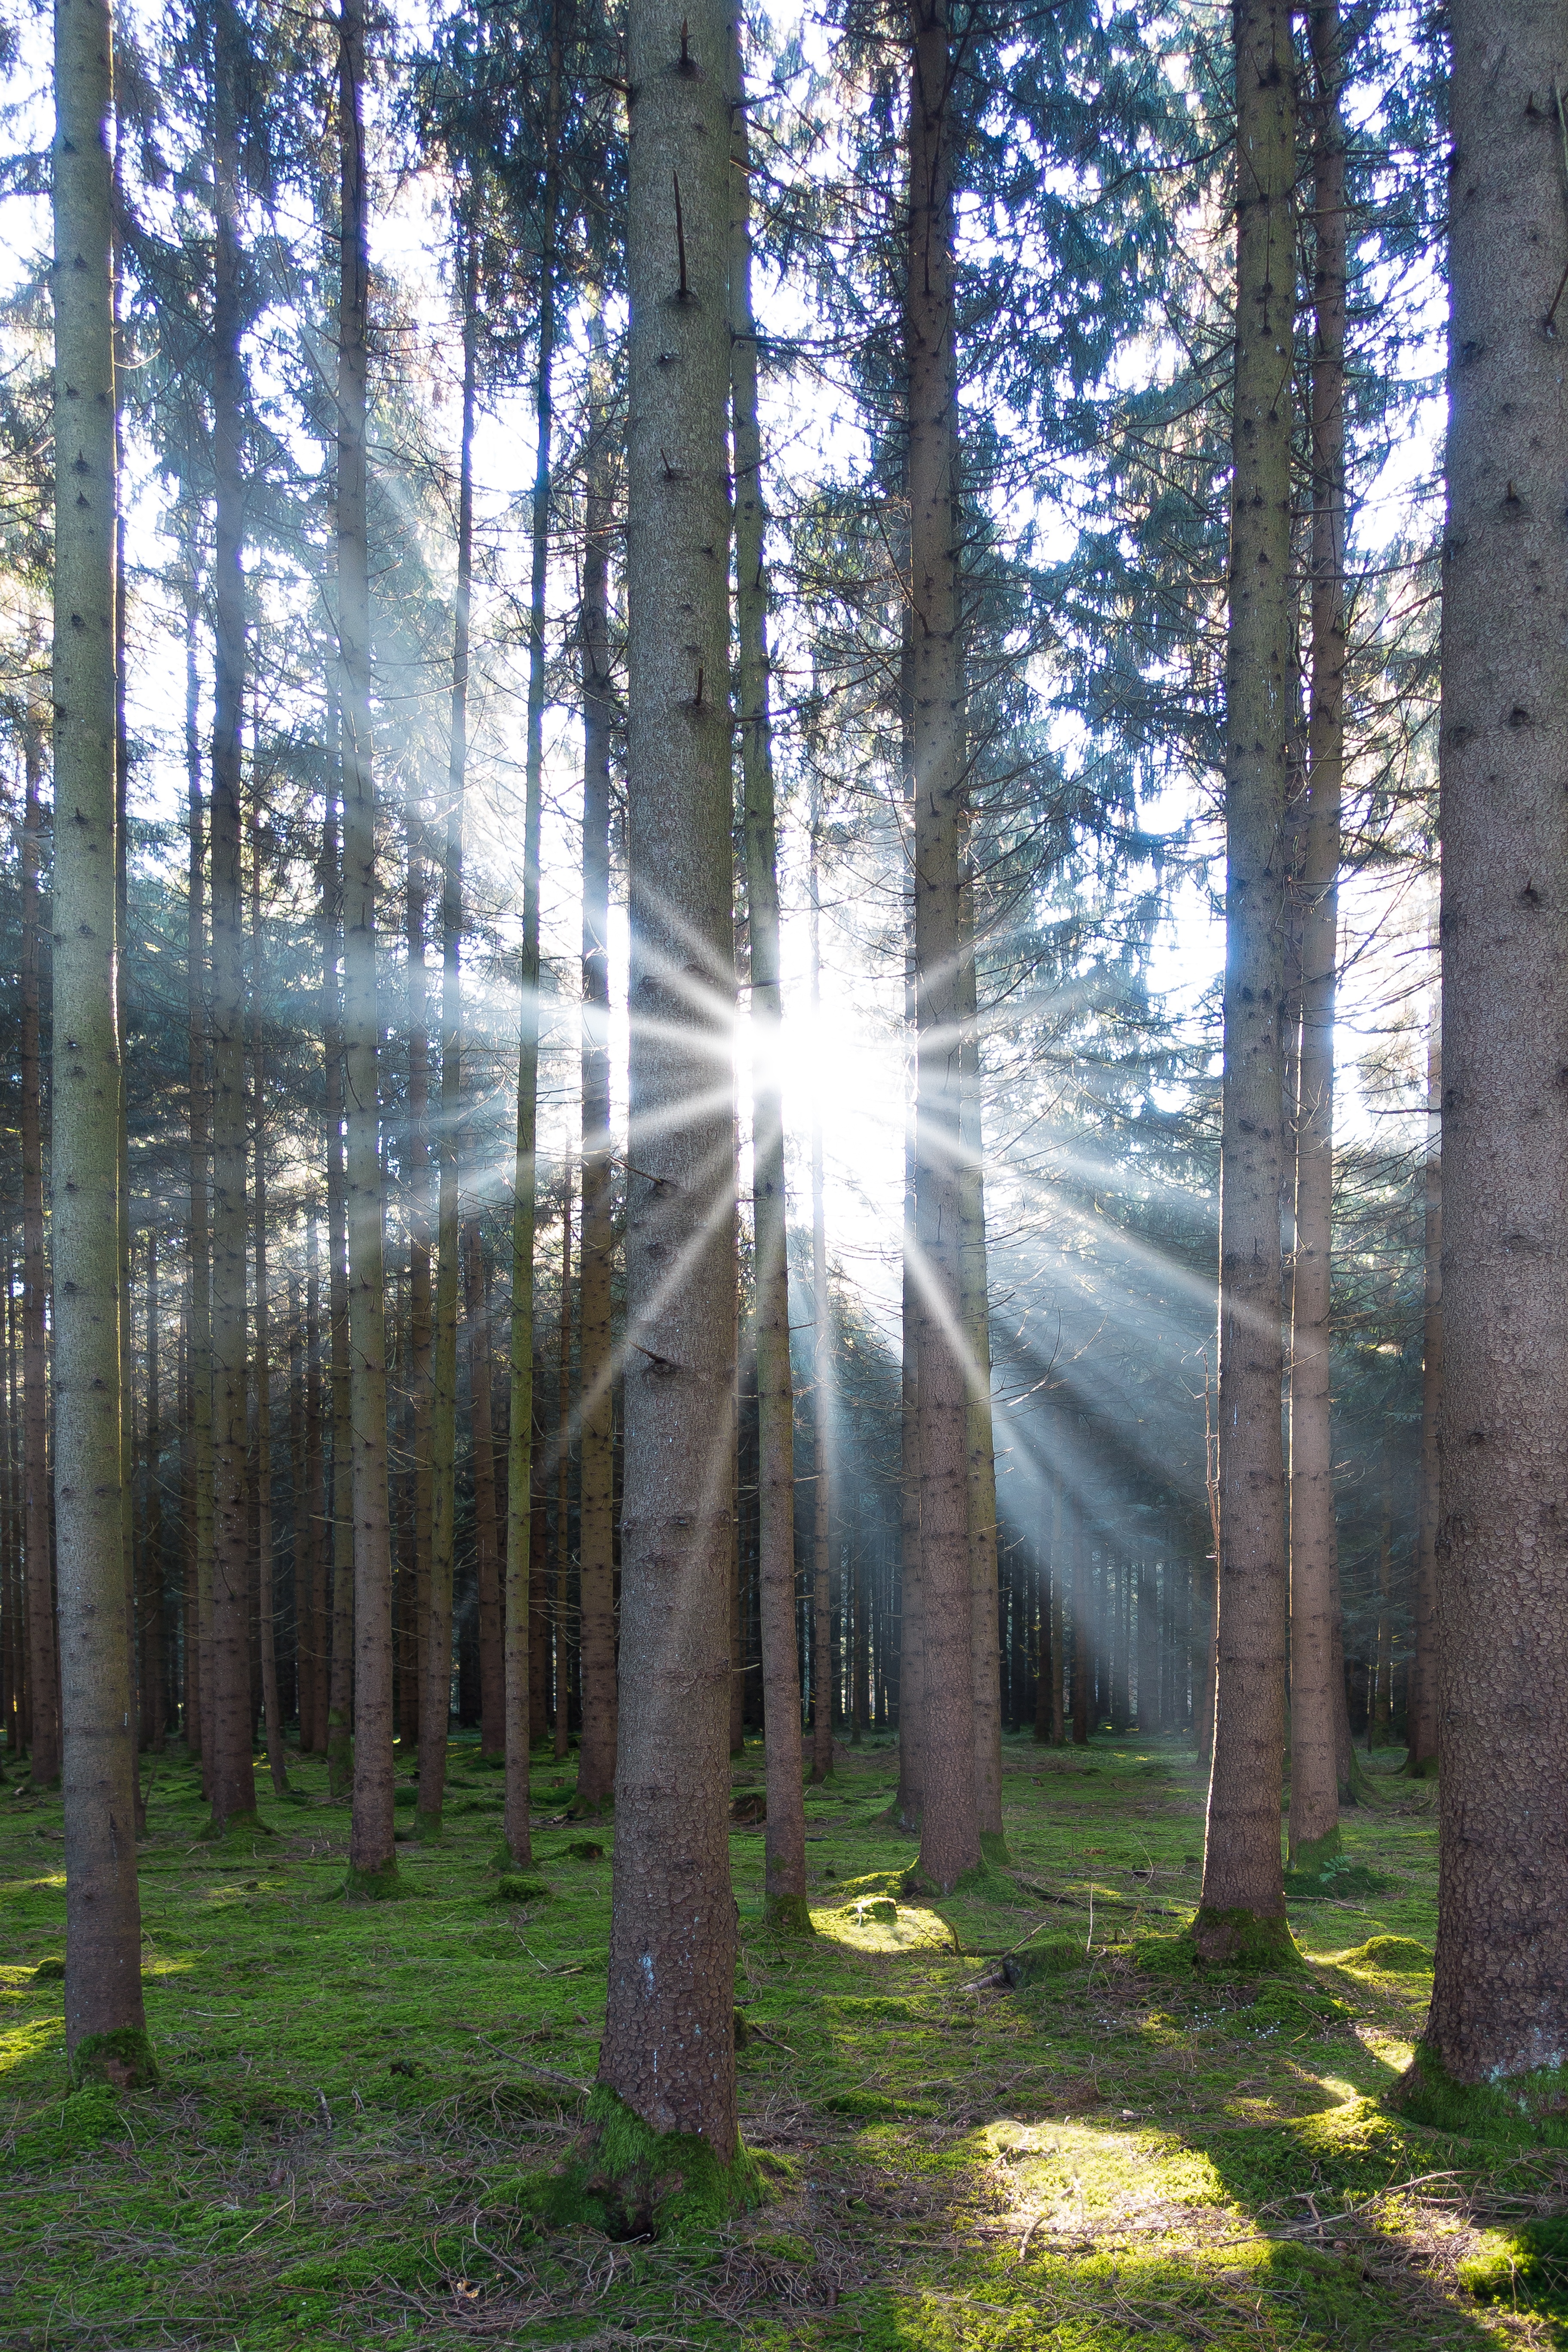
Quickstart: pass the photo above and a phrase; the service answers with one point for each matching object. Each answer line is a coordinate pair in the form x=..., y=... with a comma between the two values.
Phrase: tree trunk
x=420, y=1303
x=668, y=2049
x=1082, y=1636
x=373, y=1860
x=106, y=2036
x=525, y=1166
x=1314, y=1549
x=435, y=1631
x=231, y=1781
x=979, y=1445
x=340, y=1677
x=476, y=1314
x=1242, y=1910
x=198, y=1658
x=950, y=1825
x=42, y=1652
x=821, y=1385
x=152, y=1592
x=272, y=1715
x=563, y=1442
x=595, y=1511
x=1422, y=1729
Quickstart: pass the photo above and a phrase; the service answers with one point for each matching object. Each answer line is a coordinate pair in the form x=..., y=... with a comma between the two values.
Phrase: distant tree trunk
x=272, y=1715
x=669, y=2044
x=1422, y=1730
x=1314, y=1551
x=821, y=1385
x=950, y=1825
x=435, y=1633
x=231, y=1783
x=1082, y=1636
x=912, y=1629
x=303, y=1505
x=980, y=1443
x=1380, y=1713
x=1062, y=1558
x=1149, y=1649
x=563, y=1447
x=525, y=1166
x=1243, y=1902
x=373, y=1859
x=477, y=1313
x=198, y=1658
x=42, y=1652
x=420, y=1302
x=105, y=2030
x=597, y=1504
x=318, y=1509
x=153, y=1704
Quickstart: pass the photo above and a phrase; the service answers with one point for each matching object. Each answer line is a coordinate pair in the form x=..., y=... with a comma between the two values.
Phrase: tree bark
x=1242, y=1908
x=821, y=1384
x=198, y=1658
x=950, y=1825
x=272, y=1716
x=1421, y=1731
x=435, y=1631
x=476, y=1314
x=339, y=1660
x=151, y=1599
x=668, y=2049
x=231, y=1782
x=597, y=1474
x=42, y=1677
x=373, y=1860
x=979, y=1445
x=105, y=2029
x=420, y=1301
x=1314, y=1548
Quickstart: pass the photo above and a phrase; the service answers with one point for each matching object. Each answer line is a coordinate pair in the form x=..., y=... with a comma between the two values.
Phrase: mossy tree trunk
x=1314, y=1548
x=105, y=2026
x=949, y=1826
x=596, y=1498
x=785, y=1833
x=42, y=1674
x=1421, y=1728
x=1243, y=1902
x=668, y=2047
x=373, y=1862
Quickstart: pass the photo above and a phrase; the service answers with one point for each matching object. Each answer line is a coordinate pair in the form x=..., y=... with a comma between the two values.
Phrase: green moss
x=1526, y=2265
x=123, y=2061
x=1520, y=2110
x=1311, y=1857
x=514, y=1887
x=639, y=2183
x=1053, y=1956
x=48, y=1972
x=383, y=1885
x=236, y=1836
x=584, y=1849
x=1400, y=1955
x=1251, y=1941
x=428, y=1827
x=789, y=1915
x=993, y=1850
x=875, y=2106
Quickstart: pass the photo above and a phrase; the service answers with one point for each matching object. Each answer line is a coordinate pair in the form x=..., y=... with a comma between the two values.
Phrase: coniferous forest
x=784, y=1063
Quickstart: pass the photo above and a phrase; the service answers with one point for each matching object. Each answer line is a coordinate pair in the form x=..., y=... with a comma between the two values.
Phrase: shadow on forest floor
x=355, y=2097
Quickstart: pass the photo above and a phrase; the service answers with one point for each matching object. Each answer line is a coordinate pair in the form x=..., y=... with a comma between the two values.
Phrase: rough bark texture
x=105, y=2030
x=42, y=1677
x=596, y=1498
x=670, y=2047
x=1314, y=1549
x=979, y=1438
x=1421, y=1712
x=822, y=1691
x=487, y=1558
x=420, y=1301
x=950, y=1829
x=1500, y=2006
x=1243, y=1890
x=341, y=1516
x=198, y=1659
x=785, y=1834
x=436, y=1631
x=372, y=1863
x=231, y=1786
x=271, y=1713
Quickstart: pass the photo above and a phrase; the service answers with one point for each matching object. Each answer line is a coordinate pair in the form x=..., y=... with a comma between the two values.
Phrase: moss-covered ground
x=1109, y=2150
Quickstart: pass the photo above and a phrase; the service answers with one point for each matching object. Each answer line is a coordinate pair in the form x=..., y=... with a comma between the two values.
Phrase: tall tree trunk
x=525, y=1169
x=42, y=1652
x=302, y=1508
x=105, y=2029
x=980, y=1443
x=231, y=1784
x=950, y=1824
x=912, y=1652
x=564, y=1474
x=1243, y=1903
x=1421, y=1731
x=596, y=1473
x=198, y=1651
x=1082, y=1635
x=151, y=1609
x=272, y=1716
x=435, y=1631
x=476, y=1314
x=341, y=1517
x=373, y=1858
x=1315, y=1551
x=420, y=1301
x=668, y=2045
x=821, y=1385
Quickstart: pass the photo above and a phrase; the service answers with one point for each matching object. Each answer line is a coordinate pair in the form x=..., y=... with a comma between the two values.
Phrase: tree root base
x=1518, y=2110
x=1255, y=1941
x=639, y=2183
x=789, y=1915
x=122, y=2060
x=382, y=1884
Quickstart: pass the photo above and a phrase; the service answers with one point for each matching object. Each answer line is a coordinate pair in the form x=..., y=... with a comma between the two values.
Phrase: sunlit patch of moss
x=864, y=1926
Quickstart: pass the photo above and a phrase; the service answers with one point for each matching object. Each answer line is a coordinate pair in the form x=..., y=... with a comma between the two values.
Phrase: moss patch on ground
x=1016, y=2116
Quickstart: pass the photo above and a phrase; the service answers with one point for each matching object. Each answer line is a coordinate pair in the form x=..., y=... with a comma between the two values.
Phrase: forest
x=784, y=1078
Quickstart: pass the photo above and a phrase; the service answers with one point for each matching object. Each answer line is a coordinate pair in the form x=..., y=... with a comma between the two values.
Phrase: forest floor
x=355, y=2096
